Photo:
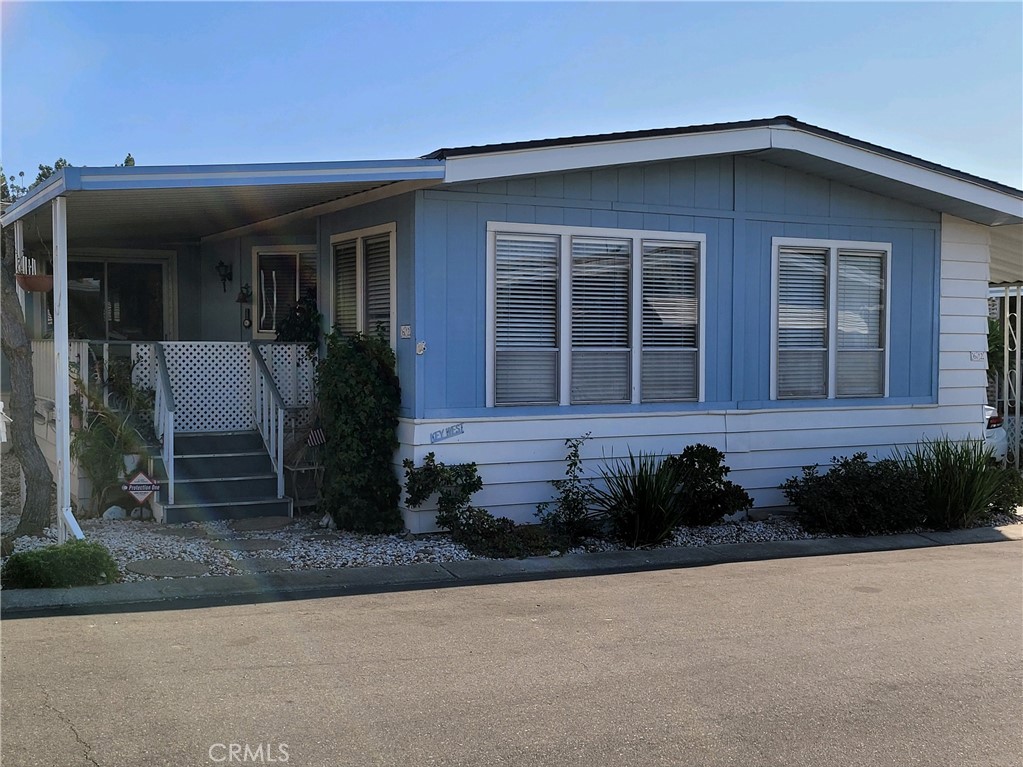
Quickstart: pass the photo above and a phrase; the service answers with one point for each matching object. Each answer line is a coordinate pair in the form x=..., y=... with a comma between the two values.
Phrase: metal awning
x=182, y=203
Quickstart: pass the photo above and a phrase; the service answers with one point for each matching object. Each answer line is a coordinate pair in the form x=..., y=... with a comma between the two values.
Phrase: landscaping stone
x=180, y=532
x=256, y=524
x=115, y=512
x=261, y=564
x=249, y=544
x=167, y=568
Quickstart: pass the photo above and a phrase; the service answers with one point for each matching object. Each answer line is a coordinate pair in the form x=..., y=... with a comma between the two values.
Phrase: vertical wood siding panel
x=656, y=184
x=629, y=220
x=719, y=309
x=578, y=217
x=604, y=218
x=463, y=332
x=524, y=187
x=547, y=215
x=494, y=187
x=433, y=269
x=682, y=184
x=657, y=222
x=522, y=214
x=711, y=188
x=630, y=184
x=902, y=353
x=681, y=224
x=923, y=320
x=577, y=186
x=550, y=185
x=604, y=184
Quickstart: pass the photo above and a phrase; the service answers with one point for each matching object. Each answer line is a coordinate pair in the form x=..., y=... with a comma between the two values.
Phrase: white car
x=995, y=437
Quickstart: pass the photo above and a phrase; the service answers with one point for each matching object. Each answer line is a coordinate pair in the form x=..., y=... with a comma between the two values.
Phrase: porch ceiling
x=182, y=204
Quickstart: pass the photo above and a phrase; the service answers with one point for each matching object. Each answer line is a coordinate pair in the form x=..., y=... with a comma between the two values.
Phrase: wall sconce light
x=244, y=295
x=225, y=272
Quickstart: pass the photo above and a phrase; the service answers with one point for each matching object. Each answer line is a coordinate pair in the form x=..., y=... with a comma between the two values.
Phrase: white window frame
x=565, y=235
x=833, y=247
x=296, y=250
x=360, y=236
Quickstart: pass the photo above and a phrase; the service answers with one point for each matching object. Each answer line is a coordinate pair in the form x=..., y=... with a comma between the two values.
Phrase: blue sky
x=190, y=82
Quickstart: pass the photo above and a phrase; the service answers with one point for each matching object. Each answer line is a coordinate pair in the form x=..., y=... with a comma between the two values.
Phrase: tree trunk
x=17, y=347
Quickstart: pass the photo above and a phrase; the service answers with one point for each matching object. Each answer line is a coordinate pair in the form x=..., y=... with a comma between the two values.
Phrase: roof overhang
x=189, y=203
x=1007, y=255
x=782, y=141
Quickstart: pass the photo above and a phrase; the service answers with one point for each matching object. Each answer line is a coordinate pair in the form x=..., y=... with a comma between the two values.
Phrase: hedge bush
x=705, y=496
x=856, y=497
x=75, y=563
x=359, y=396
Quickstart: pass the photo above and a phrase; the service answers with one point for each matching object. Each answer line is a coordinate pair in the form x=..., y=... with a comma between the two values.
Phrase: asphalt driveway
x=892, y=658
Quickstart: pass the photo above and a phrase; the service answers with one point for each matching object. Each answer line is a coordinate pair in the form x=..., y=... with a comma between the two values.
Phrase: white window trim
x=565, y=233
x=359, y=235
x=832, y=246
x=298, y=251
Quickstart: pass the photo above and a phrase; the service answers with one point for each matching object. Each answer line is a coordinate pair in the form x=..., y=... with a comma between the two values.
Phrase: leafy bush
x=641, y=499
x=856, y=497
x=573, y=516
x=1010, y=492
x=359, y=396
x=958, y=478
x=302, y=322
x=76, y=563
x=475, y=528
x=706, y=497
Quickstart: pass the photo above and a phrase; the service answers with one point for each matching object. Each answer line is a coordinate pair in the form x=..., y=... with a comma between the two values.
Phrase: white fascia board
x=530, y=162
x=898, y=170
x=259, y=175
x=54, y=186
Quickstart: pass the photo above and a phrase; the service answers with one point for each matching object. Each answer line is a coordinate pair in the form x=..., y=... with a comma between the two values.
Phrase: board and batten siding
x=739, y=204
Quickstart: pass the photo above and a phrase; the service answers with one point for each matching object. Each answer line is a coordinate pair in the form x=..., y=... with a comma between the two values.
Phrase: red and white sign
x=141, y=486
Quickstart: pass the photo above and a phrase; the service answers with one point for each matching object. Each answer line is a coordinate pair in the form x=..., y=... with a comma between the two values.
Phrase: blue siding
x=739, y=203
x=401, y=212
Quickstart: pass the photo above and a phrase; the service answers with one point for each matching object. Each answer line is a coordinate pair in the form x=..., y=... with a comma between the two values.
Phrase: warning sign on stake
x=141, y=486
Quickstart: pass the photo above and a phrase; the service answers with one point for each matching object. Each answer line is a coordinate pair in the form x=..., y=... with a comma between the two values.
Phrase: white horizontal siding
x=518, y=458
x=962, y=344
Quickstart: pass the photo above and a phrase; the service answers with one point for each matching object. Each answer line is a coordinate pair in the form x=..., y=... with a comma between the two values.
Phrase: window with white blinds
x=281, y=279
x=830, y=319
x=526, y=306
x=593, y=316
x=364, y=281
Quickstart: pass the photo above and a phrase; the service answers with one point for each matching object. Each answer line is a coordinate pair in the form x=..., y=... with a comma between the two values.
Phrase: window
x=830, y=319
x=282, y=277
x=364, y=281
x=593, y=316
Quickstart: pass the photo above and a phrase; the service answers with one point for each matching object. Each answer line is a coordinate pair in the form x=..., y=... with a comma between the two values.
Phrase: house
x=777, y=290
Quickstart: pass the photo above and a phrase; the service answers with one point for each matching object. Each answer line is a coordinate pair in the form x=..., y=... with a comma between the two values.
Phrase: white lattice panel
x=143, y=370
x=212, y=384
x=294, y=372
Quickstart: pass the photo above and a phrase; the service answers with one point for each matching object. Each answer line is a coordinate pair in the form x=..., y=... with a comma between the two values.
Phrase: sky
x=242, y=82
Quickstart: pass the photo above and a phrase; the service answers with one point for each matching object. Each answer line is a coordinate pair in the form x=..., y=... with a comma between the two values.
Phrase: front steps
x=222, y=475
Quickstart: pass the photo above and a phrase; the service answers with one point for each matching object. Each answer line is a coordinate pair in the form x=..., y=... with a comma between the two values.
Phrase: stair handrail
x=269, y=415
x=163, y=418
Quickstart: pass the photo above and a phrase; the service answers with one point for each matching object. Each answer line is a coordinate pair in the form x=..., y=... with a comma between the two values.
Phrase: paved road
x=896, y=658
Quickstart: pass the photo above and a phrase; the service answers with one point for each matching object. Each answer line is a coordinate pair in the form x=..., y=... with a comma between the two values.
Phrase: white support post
x=61, y=372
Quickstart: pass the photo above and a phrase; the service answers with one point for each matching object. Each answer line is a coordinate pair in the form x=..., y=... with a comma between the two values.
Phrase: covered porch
x=155, y=271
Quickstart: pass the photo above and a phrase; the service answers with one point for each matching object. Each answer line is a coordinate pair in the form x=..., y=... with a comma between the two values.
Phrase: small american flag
x=316, y=437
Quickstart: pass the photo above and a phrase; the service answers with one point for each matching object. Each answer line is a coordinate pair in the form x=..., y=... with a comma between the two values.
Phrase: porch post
x=65, y=520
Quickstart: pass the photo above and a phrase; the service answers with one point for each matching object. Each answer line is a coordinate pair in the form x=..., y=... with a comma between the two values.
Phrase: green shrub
x=641, y=499
x=359, y=395
x=573, y=516
x=856, y=497
x=706, y=497
x=302, y=322
x=76, y=563
x=1010, y=492
x=475, y=528
x=959, y=480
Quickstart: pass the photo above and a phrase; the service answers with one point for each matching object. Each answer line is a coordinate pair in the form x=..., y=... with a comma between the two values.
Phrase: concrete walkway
x=307, y=584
